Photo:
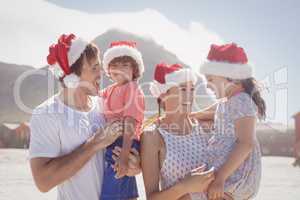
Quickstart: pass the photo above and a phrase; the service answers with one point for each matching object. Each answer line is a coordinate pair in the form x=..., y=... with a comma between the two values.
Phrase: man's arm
x=50, y=172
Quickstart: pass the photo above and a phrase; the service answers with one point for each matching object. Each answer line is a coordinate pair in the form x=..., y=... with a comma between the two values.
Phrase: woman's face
x=90, y=76
x=179, y=99
x=218, y=84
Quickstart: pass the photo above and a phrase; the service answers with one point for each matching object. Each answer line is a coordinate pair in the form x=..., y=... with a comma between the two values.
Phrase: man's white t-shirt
x=56, y=130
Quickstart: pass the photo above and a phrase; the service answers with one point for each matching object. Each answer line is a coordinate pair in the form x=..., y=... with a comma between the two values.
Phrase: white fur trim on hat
x=123, y=50
x=228, y=70
x=173, y=79
x=77, y=48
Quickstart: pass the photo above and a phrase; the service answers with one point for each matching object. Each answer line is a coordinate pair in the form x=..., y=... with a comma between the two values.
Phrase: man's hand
x=50, y=172
x=106, y=136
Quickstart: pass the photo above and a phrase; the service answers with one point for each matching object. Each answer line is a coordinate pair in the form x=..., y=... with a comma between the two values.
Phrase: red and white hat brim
x=228, y=70
x=122, y=50
x=174, y=79
x=76, y=49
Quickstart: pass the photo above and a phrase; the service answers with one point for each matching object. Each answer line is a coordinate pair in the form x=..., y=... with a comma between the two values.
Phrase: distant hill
x=33, y=90
x=152, y=53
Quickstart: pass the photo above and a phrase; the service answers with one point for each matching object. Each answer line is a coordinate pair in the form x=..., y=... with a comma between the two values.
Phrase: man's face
x=90, y=76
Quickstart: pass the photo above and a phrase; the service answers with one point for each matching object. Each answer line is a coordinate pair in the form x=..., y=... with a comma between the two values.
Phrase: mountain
x=17, y=100
x=39, y=84
x=152, y=52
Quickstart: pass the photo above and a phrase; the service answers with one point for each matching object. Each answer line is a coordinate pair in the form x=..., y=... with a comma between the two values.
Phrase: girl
x=124, y=101
x=172, y=150
x=234, y=150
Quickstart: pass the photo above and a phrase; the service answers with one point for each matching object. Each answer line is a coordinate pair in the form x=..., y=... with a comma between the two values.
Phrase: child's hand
x=122, y=166
x=216, y=189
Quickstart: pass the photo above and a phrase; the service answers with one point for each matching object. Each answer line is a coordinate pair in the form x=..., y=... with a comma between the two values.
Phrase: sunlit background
x=171, y=31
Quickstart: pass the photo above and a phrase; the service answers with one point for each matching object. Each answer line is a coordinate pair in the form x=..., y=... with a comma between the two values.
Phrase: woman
x=171, y=153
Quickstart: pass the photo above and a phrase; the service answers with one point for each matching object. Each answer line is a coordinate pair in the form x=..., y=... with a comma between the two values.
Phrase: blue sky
x=267, y=29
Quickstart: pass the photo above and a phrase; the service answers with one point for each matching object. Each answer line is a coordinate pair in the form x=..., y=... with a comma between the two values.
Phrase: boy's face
x=121, y=72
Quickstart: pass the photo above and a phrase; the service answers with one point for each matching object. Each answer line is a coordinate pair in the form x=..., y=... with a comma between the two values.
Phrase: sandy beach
x=280, y=180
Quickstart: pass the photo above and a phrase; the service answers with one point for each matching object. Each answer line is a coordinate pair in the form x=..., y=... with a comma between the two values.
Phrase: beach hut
x=297, y=132
x=297, y=125
x=14, y=135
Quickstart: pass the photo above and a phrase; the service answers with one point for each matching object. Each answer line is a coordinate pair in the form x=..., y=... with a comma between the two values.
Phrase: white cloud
x=29, y=27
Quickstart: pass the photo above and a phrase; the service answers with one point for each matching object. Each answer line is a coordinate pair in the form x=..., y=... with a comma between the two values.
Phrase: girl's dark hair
x=252, y=88
x=159, y=107
x=90, y=52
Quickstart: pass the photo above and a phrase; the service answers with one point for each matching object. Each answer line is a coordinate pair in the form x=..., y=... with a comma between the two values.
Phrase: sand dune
x=280, y=180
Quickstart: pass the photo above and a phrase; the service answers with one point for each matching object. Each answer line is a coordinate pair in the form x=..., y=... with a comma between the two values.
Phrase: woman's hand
x=134, y=164
x=198, y=181
x=216, y=189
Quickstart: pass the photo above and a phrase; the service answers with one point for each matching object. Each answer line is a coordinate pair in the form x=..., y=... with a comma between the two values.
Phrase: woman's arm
x=150, y=148
x=245, y=130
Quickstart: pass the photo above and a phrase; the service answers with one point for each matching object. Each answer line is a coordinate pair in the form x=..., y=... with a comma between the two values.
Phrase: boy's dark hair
x=128, y=59
x=90, y=52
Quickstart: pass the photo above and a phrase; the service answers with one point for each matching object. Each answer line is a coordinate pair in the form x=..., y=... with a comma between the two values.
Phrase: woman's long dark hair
x=252, y=88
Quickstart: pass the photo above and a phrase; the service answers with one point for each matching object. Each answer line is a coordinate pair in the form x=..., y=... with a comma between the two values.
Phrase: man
x=68, y=135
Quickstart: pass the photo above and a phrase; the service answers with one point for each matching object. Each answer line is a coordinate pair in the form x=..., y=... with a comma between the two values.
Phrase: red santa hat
x=63, y=55
x=167, y=76
x=123, y=48
x=227, y=60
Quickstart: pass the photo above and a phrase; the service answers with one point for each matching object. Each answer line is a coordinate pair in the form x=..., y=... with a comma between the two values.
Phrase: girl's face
x=121, y=72
x=179, y=99
x=218, y=84
x=90, y=76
